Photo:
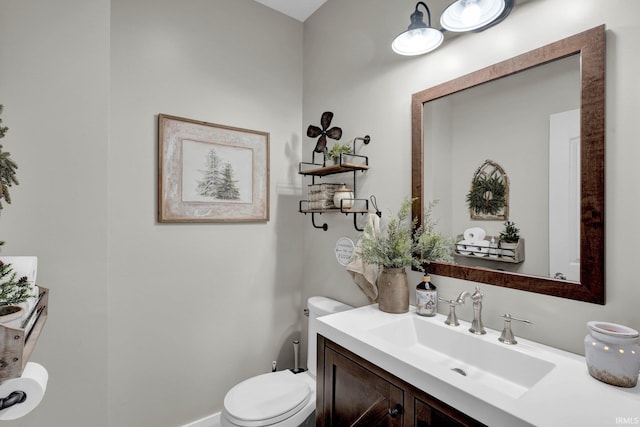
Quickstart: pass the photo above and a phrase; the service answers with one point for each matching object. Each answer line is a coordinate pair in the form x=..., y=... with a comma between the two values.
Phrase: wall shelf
x=320, y=170
x=513, y=254
x=348, y=163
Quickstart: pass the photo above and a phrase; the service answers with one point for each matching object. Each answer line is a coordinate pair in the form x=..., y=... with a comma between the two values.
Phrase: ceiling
x=298, y=9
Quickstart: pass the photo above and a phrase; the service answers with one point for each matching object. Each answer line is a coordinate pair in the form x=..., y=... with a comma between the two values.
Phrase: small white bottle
x=493, y=248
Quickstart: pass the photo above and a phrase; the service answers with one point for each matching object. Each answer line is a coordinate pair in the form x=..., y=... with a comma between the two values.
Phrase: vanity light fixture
x=419, y=38
x=460, y=16
x=474, y=15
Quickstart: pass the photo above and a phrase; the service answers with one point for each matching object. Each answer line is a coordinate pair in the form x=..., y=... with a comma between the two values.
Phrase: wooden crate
x=17, y=343
x=514, y=256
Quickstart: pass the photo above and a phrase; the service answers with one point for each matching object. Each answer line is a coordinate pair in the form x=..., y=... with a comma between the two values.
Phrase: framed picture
x=211, y=173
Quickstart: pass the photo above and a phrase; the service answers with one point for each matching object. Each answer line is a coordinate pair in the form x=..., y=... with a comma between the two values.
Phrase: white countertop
x=566, y=396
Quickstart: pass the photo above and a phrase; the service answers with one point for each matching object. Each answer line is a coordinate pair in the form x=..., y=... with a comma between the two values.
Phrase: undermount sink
x=476, y=358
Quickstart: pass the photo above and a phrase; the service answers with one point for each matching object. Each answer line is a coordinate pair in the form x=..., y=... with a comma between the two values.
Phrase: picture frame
x=211, y=173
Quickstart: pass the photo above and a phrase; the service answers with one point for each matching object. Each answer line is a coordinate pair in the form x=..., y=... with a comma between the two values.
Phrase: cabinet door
x=430, y=415
x=355, y=396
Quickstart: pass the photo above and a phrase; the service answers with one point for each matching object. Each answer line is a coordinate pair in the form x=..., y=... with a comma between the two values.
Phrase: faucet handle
x=452, y=320
x=507, y=336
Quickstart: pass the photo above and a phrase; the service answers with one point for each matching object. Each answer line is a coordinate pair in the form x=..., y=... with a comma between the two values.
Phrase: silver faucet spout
x=463, y=295
x=476, y=325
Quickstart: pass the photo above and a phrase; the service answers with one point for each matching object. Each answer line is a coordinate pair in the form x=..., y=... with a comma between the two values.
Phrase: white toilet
x=280, y=399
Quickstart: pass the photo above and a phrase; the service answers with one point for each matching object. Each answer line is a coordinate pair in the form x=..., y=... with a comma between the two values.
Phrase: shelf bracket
x=324, y=226
x=355, y=223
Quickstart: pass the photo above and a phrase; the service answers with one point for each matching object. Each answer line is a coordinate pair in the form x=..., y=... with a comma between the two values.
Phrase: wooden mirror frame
x=590, y=45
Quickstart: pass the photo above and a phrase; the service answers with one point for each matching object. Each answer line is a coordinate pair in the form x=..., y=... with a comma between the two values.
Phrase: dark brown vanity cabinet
x=354, y=392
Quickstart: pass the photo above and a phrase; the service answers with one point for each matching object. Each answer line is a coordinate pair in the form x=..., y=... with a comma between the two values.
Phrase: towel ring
x=374, y=203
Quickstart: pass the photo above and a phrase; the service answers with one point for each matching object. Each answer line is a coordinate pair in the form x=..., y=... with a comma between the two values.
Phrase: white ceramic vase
x=343, y=198
x=612, y=354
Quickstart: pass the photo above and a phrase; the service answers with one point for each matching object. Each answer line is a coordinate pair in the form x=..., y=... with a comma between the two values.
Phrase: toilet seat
x=266, y=399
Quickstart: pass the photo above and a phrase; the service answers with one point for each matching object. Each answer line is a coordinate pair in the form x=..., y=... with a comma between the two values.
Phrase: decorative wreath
x=488, y=195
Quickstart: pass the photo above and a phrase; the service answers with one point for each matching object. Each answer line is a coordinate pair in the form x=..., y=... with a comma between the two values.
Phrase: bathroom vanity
x=356, y=392
x=376, y=368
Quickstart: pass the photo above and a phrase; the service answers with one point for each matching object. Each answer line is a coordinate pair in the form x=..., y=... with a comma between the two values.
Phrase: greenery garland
x=7, y=168
x=403, y=244
x=13, y=289
x=487, y=195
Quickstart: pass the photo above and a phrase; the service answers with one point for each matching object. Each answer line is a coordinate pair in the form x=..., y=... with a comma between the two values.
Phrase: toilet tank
x=319, y=306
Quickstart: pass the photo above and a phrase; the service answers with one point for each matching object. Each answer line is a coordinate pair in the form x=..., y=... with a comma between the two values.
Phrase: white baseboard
x=210, y=421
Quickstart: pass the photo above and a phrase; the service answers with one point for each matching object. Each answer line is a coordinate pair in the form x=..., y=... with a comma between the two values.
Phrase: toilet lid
x=266, y=399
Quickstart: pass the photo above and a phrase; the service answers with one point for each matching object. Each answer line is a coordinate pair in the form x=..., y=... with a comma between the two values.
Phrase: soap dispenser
x=426, y=297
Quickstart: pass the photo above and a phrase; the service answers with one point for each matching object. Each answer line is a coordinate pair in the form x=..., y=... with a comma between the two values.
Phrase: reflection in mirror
x=506, y=121
x=527, y=115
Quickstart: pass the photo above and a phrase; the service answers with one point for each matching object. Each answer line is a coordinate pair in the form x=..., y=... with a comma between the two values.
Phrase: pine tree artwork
x=210, y=175
x=13, y=290
x=218, y=180
x=227, y=188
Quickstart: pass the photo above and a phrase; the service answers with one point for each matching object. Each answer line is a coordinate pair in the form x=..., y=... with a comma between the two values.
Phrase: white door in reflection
x=564, y=195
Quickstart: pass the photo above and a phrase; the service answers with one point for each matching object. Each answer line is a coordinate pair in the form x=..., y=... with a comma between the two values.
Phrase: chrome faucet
x=507, y=336
x=476, y=326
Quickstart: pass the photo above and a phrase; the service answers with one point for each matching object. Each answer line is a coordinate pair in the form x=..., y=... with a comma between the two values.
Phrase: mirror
x=580, y=59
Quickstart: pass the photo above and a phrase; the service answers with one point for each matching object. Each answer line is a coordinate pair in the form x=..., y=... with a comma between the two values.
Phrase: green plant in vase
x=13, y=289
x=393, y=247
x=509, y=237
x=510, y=233
x=336, y=150
x=399, y=245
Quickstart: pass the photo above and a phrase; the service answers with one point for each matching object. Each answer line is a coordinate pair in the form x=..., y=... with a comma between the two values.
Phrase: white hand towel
x=363, y=274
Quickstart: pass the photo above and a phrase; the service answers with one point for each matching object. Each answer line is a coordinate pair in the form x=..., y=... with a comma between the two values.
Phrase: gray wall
x=54, y=84
x=149, y=323
x=369, y=89
x=144, y=314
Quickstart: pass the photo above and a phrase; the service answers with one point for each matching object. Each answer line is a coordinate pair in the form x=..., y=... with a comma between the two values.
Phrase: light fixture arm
x=416, y=17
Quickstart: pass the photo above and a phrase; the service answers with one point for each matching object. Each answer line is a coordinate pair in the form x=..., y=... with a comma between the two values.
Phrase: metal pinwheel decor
x=325, y=132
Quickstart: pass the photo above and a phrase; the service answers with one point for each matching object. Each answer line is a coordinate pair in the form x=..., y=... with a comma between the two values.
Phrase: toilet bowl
x=280, y=399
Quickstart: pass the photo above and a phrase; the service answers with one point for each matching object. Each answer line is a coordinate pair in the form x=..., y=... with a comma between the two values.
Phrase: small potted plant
x=336, y=150
x=399, y=245
x=13, y=292
x=509, y=237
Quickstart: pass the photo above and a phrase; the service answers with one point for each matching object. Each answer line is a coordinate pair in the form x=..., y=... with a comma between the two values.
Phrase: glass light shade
x=417, y=41
x=469, y=15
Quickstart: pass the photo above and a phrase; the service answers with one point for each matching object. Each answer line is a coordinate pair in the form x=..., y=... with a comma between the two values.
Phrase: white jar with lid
x=345, y=195
x=612, y=354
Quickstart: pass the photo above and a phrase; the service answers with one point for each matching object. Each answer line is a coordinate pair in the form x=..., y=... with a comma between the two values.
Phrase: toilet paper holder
x=14, y=398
